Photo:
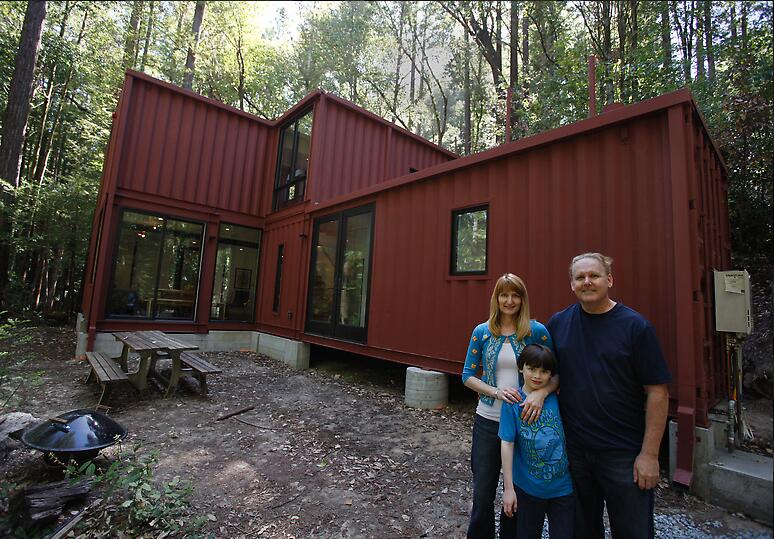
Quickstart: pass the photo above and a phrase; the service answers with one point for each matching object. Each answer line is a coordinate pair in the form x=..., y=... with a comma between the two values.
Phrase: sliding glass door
x=340, y=274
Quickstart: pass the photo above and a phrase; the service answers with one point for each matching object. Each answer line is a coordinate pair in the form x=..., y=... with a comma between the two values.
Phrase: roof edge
x=605, y=119
x=392, y=125
x=190, y=93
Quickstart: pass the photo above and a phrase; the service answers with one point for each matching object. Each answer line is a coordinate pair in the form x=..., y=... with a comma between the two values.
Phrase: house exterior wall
x=642, y=183
x=180, y=147
x=648, y=191
x=354, y=149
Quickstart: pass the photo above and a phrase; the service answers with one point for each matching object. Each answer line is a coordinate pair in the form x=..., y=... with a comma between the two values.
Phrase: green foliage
x=14, y=335
x=134, y=501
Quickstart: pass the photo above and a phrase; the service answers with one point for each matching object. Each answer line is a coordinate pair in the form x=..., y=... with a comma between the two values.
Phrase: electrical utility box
x=733, y=312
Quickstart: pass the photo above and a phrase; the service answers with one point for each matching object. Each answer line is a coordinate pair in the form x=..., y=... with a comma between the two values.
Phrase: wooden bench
x=199, y=368
x=106, y=370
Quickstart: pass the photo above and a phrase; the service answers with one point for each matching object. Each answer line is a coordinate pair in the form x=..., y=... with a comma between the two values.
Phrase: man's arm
x=646, y=470
x=509, y=493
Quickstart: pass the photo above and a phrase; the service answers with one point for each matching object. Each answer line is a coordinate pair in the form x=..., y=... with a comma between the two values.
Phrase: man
x=614, y=403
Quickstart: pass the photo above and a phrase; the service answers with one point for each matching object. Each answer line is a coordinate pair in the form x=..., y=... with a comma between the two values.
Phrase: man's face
x=590, y=282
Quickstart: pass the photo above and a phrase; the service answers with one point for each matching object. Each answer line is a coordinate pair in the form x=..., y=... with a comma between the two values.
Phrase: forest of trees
x=440, y=69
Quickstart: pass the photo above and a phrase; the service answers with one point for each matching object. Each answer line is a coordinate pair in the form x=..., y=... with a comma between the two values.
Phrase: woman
x=493, y=352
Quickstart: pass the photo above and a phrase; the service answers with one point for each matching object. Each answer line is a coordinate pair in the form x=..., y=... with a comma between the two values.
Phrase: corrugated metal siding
x=606, y=191
x=353, y=151
x=406, y=153
x=294, y=277
x=185, y=149
x=714, y=252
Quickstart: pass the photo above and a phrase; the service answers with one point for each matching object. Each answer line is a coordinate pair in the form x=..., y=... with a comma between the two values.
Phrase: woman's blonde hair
x=508, y=282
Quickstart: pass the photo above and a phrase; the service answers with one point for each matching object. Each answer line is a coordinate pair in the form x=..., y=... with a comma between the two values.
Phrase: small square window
x=469, y=241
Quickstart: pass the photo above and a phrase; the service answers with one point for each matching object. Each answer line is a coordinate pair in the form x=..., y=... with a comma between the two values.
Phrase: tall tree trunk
x=622, y=38
x=666, y=38
x=190, y=61
x=700, y=72
x=709, y=48
x=241, y=66
x=148, y=33
x=47, y=142
x=40, y=143
x=684, y=32
x=20, y=92
x=515, y=97
x=525, y=52
x=633, y=50
x=733, y=25
x=499, y=33
x=745, y=8
x=466, y=134
x=132, y=36
x=413, y=66
x=398, y=60
x=607, y=49
x=15, y=124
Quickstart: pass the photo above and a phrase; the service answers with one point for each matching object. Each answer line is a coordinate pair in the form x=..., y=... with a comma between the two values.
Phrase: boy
x=539, y=469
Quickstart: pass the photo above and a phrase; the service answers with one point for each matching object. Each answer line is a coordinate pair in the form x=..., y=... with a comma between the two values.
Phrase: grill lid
x=79, y=430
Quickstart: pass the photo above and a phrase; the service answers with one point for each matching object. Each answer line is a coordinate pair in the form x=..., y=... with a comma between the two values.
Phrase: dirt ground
x=328, y=452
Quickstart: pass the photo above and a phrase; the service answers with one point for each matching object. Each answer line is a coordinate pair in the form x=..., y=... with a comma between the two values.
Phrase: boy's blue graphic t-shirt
x=540, y=465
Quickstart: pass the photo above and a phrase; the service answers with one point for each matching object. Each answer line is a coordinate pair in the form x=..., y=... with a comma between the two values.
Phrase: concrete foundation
x=738, y=481
x=426, y=389
x=293, y=353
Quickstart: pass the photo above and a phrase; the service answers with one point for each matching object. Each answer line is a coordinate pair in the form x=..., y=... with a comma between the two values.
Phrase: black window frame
x=453, y=258
x=238, y=243
x=278, y=278
x=279, y=185
x=333, y=329
x=154, y=311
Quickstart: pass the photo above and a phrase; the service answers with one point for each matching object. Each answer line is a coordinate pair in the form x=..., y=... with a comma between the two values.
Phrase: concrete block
x=81, y=325
x=290, y=352
x=703, y=451
x=426, y=389
x=81, y=338
x=738, y=481
x=742, y=482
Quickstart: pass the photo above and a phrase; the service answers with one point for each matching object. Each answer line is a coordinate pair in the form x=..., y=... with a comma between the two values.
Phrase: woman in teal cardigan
x=490, y=370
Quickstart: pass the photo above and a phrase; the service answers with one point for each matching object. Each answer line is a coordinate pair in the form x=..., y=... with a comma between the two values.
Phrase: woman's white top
x=507, y=376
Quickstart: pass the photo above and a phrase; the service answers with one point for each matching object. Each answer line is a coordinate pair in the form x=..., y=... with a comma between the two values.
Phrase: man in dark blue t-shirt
x=614, y=403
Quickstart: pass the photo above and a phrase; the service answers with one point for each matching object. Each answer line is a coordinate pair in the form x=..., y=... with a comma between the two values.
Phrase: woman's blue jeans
x=485, y=464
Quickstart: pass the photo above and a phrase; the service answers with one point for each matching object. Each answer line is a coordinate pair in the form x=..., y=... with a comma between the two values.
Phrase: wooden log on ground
x=42, y=502
x=236, y=412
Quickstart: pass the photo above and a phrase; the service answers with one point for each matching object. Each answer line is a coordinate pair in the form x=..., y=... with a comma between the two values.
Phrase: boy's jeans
x=485, y=464
x=606, y=478
x=532, y=512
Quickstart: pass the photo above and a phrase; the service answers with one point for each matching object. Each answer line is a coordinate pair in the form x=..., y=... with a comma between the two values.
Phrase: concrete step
x=742, y=482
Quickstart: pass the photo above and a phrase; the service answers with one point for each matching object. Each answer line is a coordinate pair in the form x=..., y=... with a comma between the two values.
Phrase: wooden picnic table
x=148, y=344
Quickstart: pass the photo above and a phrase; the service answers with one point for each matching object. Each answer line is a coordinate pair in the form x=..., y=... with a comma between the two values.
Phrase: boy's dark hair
x=538, y=356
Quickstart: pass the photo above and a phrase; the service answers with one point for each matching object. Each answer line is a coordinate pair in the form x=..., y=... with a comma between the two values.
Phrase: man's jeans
x=532, y=513
x=606, y=478
x=485, y=463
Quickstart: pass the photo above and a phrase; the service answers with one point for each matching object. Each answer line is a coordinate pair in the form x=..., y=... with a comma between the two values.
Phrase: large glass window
x=156, y=270
x=292, y=162
x=469, y=231
x=236, y=272
x=338, y=281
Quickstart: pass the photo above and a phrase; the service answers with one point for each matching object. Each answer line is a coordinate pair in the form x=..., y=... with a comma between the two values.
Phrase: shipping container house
x=334, y=227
